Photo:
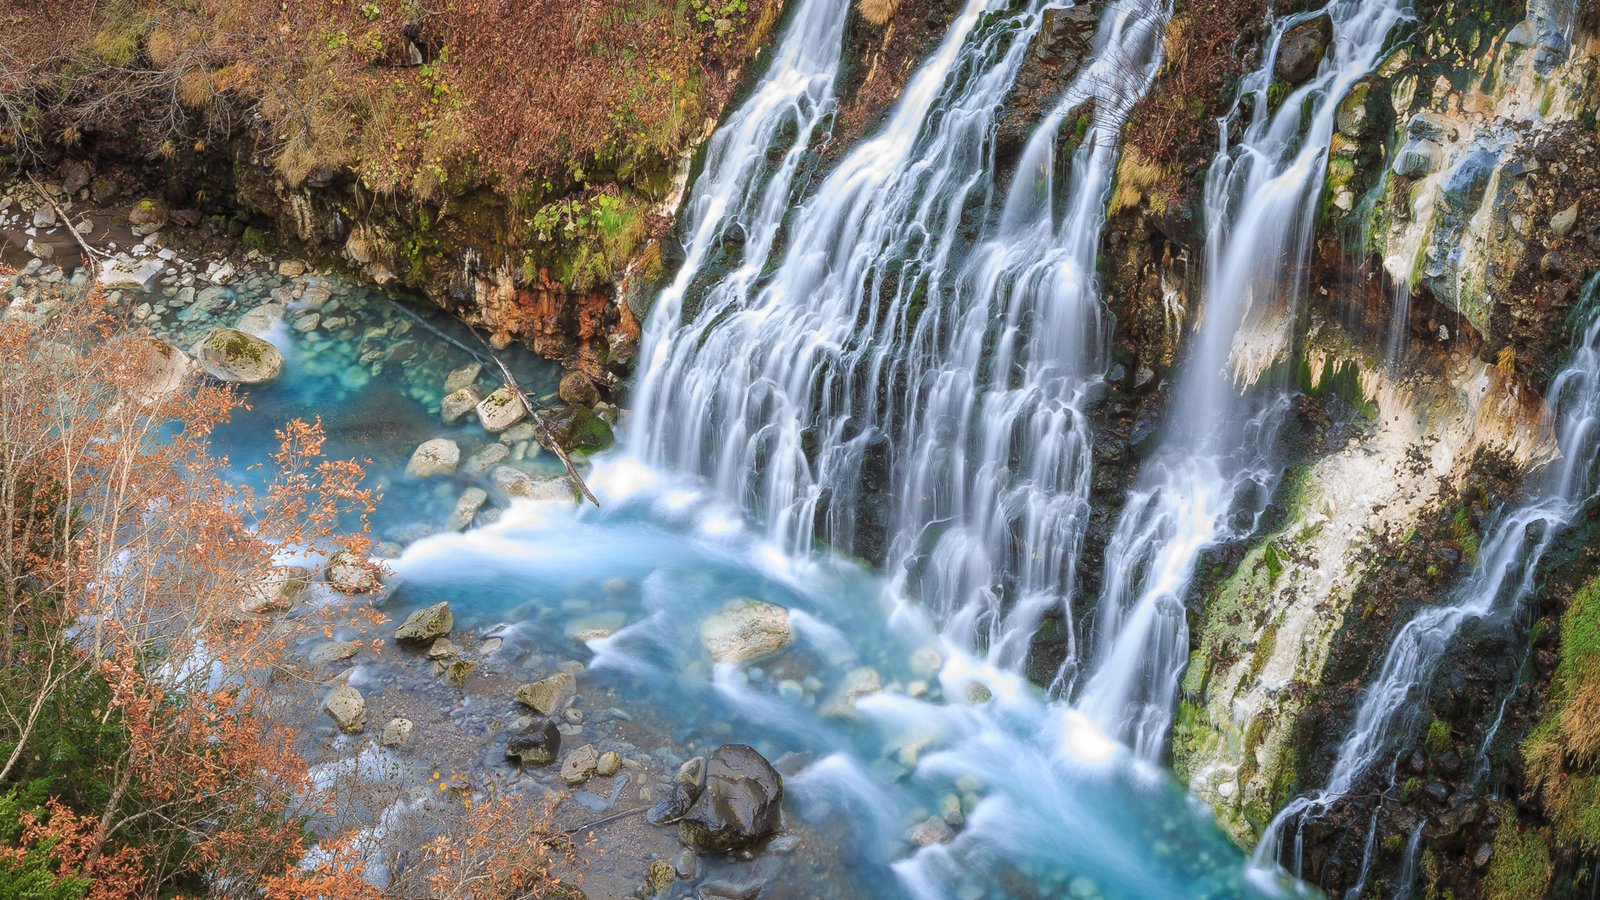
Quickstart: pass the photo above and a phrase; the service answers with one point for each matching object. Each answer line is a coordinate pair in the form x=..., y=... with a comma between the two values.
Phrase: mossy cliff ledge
x=518, y=164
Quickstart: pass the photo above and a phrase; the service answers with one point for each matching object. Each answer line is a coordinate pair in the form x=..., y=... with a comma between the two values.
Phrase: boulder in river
x=501, y=410
x=1301, y=50
x=456, y=405
x=439, y=456
x=351, y=573
x=745, y=630
x=228, y=354
x=548, y=696
x=347, y=708
x=740, y=805
x=578, y=389
x=397, y=733
x=426, y=624
x=536, y=745
x=277, y=590
x=162, y=367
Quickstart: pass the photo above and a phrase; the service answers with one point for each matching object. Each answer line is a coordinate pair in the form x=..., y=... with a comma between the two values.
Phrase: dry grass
x=1140, y=178
x=878, y=12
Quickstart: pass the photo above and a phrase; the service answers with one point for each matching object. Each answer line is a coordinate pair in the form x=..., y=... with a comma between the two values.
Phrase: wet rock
x=347, y=708
x=74, y=176
x=439, y=456
x=472, y=500
x=609, y=763
x=730, y=890
x=740, y=805
x=745, y=630
x=466, y=376
x=458, y=404
x=929, y=832
x=1418, y=158
x=351, y=573
x=1351, y=117
x=548, y=696
x=261, y=319
x=44, y=217
x=1437, y=791
x=536, y=745
x=679, y=800
x=660, y=876
x=426, y=624
x=490, y=456
x=857, y=683
x=578, y=389
x=579, y=765
x=277, y=590
x=456, y=670
x=291, y=268
x=501, y=410
x=1302, y=48
x=228, y=354
x=148, y=216
x=443, y=648
x=329, y=652
x=162, y=367
x=397, y=732
x=122, y=273
x=685, y=862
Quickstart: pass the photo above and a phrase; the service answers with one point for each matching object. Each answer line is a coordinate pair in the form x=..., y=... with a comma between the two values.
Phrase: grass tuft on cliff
x=1563, y=751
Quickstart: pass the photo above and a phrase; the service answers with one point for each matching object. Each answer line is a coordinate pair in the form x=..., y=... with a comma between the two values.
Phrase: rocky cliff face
x=1455, y=235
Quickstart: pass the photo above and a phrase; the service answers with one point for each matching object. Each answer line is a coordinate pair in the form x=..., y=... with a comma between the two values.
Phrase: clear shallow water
x=1047, y=806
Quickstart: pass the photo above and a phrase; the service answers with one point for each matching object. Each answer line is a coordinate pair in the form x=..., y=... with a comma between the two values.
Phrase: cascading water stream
x=993, y=489
x=1215, y=470
x=781, y=382
x=1502, y=578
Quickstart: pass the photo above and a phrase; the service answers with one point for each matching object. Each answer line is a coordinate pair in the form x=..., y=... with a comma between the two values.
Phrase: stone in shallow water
x=347, y=708
x=929, y=832
x=472, y=500
x=548, y=696
x=260, y=319
x=351, y=573
x=439, y=456
x=228, y=354
x=329, y=652
x=162, y=367
x=740, y=805
x=679, y=800
x=426, y=624
x=456, y=405
x=609, y=763
x=579, y=764
x=537, y=745
x=466, y=376
x=124, y=273
x=745, y=630
x=501, y=410
x=490, y=456
x=277, y=590
x=397, y=733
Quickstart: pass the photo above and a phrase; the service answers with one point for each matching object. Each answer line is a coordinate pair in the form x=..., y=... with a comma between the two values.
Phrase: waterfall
x=1214, y=472
x=781, y=381
x=1502, y=577
x=993, y=490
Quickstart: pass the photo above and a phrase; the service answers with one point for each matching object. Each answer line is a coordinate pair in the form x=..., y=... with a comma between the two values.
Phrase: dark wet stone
x=1437, y=791
x=675, y=807
x=729, y=890
x=537, y=746
x=740, y=804
x=1302, y=48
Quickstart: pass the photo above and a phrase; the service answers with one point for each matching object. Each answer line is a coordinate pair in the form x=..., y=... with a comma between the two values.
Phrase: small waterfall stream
x=1215, y=469
x=1516, y=540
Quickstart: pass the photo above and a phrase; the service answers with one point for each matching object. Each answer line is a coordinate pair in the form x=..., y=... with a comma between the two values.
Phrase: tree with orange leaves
x=146, y=743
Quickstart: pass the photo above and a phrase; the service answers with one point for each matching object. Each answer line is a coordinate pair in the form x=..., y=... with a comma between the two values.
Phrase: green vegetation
x=1563, y=751
x=1438, y=739
x=1520, y=867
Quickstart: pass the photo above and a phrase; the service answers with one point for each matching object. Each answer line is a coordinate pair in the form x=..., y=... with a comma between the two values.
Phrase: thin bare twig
x=547, y=438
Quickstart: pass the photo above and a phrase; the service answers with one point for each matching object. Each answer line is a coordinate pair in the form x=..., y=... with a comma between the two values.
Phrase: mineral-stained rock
x=227, y=354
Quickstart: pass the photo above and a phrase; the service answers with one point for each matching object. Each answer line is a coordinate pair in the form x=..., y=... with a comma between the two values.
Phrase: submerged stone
x=347, y=708
x=745, y=630
x=548, y=696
